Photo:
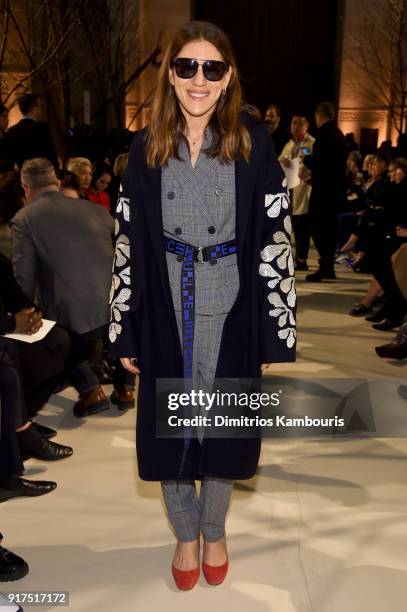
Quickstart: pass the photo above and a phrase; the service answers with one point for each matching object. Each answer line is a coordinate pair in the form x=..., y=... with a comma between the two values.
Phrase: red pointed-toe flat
x=215, y=575
x=185, y=579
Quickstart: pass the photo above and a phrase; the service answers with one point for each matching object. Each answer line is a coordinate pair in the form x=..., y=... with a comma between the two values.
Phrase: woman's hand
x=286, y=162
x=128, y=364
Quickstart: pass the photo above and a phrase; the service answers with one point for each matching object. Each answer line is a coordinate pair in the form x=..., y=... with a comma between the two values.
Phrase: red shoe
x=185, y=579
x=215, y=574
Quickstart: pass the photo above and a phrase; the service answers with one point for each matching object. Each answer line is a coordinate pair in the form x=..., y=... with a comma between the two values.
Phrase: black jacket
x=259, y=328
x=12, y=298
x=328, y=166
x=28, y=139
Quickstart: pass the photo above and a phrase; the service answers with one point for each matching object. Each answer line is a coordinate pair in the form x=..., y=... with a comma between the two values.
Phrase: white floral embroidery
x=276, y=202
x=287, y=286
x=277, y=257
x=266, y=270
x=122, y=253
x=281, y=311
x=125, y=275
x=123, y=206
x=120, y=293
x=289, y=334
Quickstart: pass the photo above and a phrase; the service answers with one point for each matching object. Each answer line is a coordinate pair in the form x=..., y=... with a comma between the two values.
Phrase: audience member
x=366, y=170
x=370, y=228
x=397, y=349
x=30, y=137
x=354, y=202
x=378, y=237
x=272, y=120
x=28, y=372
x=69, y=184
x=298, y=146
x=328, y=167
x=81, y=167
x=119, y=169
x=101, y=178
x=251, y=110
x=66, y=250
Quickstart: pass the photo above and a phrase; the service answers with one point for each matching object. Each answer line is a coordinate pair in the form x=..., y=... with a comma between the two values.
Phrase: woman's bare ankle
x=186, y=555
x=215, y=553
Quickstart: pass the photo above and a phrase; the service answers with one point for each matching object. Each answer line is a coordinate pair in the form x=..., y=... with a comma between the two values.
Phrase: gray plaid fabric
x=208, y=334
x=195, y=199
x=189, y=514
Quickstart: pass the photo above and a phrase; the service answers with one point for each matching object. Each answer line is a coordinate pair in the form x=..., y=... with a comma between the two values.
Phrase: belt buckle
x=199, y=255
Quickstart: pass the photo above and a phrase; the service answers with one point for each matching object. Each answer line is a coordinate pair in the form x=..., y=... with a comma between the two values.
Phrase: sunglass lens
x=214, y=70
x=185, y=68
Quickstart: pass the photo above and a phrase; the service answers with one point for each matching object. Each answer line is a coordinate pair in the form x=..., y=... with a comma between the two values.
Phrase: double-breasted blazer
x=259, y=328
x=199, y=207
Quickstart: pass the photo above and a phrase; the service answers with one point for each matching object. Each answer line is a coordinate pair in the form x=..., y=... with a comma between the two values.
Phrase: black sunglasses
x=186, y=68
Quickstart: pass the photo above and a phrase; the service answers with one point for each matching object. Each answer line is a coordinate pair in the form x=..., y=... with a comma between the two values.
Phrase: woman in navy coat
x=196, y=121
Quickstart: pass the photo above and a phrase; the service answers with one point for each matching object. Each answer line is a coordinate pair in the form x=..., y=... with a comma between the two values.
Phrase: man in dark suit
x=30, y=137
x=328, y=166
x=64, y=247
x=28, y=374
x=272, y=120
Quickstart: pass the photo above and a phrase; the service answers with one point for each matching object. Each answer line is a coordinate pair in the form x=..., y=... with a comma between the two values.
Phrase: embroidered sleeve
x=276, y=272
x=121, y=334
x=120, y=291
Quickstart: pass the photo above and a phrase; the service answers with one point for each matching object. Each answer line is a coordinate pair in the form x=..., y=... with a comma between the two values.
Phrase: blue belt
x=192, y=255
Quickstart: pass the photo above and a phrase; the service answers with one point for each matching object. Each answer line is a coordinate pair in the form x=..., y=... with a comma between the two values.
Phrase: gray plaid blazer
x=199, y=207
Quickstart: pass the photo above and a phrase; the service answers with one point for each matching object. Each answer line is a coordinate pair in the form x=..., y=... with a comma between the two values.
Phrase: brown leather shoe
x=91, y=403
x=123, y=398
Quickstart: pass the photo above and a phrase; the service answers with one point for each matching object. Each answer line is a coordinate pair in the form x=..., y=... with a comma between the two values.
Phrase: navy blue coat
x=260, y=328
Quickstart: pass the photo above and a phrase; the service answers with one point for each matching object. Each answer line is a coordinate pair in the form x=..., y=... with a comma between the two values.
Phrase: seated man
x=28, y=375
x=64, y=249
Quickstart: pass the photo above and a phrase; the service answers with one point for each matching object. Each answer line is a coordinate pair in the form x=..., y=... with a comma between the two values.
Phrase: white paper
x=39, y=335
x=292, y=173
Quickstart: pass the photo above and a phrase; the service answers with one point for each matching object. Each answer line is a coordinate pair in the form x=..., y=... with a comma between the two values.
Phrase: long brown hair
x=231, y=139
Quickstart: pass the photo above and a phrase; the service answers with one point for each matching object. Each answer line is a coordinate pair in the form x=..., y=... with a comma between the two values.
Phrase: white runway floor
x=321, y=528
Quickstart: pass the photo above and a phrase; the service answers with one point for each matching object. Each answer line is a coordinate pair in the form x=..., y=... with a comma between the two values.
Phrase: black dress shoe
x=12, y=567
x=387, y=325
x=397, y=349
x=32, y=444
x=393, y=350
x=360, y=310
x=20, y=487
x=48, y=451
x=320, y=275
x=377, y=317
x=45, y=432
